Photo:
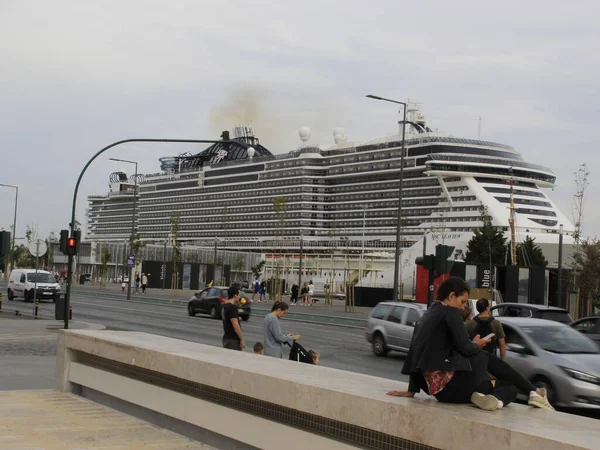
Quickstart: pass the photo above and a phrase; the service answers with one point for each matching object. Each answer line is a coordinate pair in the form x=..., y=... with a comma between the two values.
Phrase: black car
x=210, y=300
x=590, y=326
x=535, y=311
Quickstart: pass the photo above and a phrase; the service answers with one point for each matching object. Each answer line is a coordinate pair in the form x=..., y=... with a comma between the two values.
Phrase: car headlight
x=582, y=376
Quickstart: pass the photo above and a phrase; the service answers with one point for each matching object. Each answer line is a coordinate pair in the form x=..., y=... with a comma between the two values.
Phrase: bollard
x=0, y=301
x=70, y=312
x=37, y=307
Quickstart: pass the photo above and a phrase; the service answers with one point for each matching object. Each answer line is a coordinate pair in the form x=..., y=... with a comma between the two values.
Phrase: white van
x=22, y=283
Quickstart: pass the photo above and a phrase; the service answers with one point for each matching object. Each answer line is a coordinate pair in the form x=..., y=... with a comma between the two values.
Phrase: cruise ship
x=339, y=201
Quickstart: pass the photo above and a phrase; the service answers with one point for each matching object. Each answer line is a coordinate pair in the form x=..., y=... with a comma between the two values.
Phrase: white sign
x=37, y=248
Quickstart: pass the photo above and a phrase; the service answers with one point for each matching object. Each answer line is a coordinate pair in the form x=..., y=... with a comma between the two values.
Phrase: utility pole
x=300, y=261
x=559, y=298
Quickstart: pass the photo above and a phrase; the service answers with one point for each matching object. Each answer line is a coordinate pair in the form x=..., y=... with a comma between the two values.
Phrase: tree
x=487, y=238
x=137, y=246
x=104, y=259
x=529, y=254
x=258, y=269
x=176, y=250
x=49, y=256
x=238, y=264
x=586, y=265
x=280, y=208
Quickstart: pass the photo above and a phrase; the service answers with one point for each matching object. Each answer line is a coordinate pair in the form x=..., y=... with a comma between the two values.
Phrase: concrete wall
x=254, y=401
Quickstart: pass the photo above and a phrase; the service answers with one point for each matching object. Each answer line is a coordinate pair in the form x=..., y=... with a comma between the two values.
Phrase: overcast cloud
x=78, y=75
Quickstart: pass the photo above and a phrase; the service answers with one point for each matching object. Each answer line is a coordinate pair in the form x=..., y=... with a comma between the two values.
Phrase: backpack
x=483, y=328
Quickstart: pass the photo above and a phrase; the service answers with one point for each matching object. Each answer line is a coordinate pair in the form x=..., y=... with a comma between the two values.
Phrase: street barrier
x=244, y=400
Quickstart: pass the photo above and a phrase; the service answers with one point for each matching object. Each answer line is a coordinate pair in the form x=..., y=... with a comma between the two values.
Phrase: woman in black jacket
x=442, y=361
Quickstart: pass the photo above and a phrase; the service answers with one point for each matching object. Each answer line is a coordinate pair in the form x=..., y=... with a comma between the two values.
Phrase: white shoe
x=540, y=401
x=486, y=402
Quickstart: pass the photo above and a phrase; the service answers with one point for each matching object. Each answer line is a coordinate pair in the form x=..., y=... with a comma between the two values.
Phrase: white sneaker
x=486, y=402
x=540, y=401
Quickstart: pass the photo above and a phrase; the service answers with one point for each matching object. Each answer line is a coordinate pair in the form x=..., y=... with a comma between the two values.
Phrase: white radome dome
x=250, y=151
x=304, y=133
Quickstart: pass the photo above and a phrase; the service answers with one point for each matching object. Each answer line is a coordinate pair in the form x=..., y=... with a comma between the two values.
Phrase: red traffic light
x=72, y=245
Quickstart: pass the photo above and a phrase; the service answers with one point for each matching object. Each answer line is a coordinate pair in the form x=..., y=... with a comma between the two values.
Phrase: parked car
x=210, y=300
x=555, y=356
x=590, y=326
x=391, y=324
x=24, y=282
x=534, y=311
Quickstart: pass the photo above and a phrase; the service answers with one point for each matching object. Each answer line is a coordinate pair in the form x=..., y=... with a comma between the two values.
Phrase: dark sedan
x=590, y=326
x=210, y=300
x=531, y=310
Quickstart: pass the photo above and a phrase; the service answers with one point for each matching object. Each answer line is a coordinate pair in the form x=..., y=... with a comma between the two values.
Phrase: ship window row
x=231, y=188
x=499, y=182
x=522, y=201
x=462, y=150
x=291, y=225
x=231, y=194
x=365, y=178
x=433, y=165
x=359, y=157
x=206, y=198
x=293, y=173
x=369, y=168
x=502, y=190
x=547, y=223
x=536, y=212
x=394, y=185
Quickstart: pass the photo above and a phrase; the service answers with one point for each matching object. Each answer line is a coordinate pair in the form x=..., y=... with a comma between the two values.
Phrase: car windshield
x=40, y=277
x=560, y=339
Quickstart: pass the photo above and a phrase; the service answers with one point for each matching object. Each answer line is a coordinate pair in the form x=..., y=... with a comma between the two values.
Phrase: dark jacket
x=440, y=342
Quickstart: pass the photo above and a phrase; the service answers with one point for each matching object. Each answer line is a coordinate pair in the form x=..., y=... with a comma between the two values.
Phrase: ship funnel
x=245, y=134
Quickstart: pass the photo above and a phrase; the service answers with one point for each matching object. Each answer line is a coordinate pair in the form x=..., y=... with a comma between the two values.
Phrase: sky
x=76, y=76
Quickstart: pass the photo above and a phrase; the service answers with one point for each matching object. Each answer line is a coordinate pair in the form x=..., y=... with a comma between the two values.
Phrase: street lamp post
x=132, y=236
x=397, y=265
x=14, y=231
x=362, y=251
x=76, y=190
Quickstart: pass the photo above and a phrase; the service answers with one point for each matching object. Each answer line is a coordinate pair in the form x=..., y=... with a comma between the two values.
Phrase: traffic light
x=442, y=253
x=77, y=236
x=73, y=243
x=64, y=235
x=426, y=261
x=4, y=242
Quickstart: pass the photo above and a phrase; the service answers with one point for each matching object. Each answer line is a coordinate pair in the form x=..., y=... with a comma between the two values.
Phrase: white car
x=24, y=282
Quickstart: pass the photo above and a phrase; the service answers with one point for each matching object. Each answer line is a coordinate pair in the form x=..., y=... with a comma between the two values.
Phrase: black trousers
x=508, y=381
x=232, y=344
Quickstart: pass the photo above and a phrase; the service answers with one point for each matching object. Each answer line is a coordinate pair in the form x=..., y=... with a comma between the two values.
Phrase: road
x=340, y=347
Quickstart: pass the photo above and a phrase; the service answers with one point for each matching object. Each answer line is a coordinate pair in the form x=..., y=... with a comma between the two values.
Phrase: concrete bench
x=240, y=400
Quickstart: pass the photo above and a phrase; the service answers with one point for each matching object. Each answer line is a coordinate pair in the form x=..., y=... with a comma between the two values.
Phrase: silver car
x=391, y=325
x=555, y=356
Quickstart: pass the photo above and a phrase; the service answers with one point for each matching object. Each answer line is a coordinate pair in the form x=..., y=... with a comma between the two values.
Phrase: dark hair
x=482, y=304
x=452, y=284
x=258, y=347
x=233, y=290
x=280, y=305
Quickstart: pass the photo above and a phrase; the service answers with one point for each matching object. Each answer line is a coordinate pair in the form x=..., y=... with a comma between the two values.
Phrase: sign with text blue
x=131, y=262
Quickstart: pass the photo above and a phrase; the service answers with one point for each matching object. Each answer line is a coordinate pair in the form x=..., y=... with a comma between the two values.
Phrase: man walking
x=484, y=324
x=232, y=331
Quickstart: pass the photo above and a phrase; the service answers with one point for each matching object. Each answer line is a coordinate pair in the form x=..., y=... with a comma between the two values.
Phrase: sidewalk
x=28, y=350
x=47, y=420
